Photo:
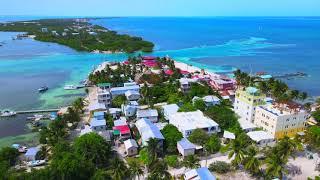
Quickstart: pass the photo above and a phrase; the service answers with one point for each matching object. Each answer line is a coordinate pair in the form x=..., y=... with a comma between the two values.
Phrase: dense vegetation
x=100, y=39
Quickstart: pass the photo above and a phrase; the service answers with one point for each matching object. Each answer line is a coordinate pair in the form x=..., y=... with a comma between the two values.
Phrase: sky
x=160, y=7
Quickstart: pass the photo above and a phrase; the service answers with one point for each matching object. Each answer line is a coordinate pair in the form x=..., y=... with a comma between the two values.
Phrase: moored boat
x=70, y=87
x=43, y=89
x=7, y=113
x=36, y=163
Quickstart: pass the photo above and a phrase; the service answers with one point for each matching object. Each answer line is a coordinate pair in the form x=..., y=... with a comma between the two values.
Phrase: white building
x=187, y=122
x=246, y=102
x=132, y=95
x=150, y=114
x=131, y=147
x=202, y=173
x=148, y=130
x=281, y=120
x=122, y=90
x=98, y=125
x=130, y=109
x=261, y=138
x=208, y=100
x=185, y=84
x=169, y=110
x=185, y=147
x=115, y=112
x=104, y=97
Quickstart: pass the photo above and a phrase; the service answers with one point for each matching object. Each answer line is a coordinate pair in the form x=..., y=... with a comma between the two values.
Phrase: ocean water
x=220, y=44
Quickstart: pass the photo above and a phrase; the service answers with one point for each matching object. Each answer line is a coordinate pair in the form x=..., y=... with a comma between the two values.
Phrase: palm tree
x=118, y=170
x=303, y=96
x=238, y=147
x=287, y=147
x=78, y=104
x=135, y=167
x=191, y=161
x=251, y=162
x=153, y=148
x=159, y=171
x=275, y=165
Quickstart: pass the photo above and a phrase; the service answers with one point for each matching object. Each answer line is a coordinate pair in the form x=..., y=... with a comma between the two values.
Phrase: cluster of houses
x=134, y=125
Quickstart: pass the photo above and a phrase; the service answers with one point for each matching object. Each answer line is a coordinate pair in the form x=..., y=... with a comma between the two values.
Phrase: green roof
x=103, y=84
x=116, y=132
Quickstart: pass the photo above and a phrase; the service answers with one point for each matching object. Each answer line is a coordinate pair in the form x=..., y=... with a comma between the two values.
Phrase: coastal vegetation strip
x=79, y=34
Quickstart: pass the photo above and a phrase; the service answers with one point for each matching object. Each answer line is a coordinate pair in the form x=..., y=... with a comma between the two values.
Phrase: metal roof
x=186, y=144
x=148, y=130
x=147, y=113
x=259, y=135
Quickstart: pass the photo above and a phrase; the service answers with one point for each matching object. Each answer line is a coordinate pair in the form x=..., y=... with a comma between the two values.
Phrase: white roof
x=114, y=110
x=244, y=124
x=130, y=143
x=211, y=98
x=120, y=122
x=129, y=93
x=228, y=135
x=160, y=125
x=147, y=113
x=125, y=88
x=171, y=108
x=96, y=106
x=95, y=122
x=259, y=135
x=148, y=130
x=191, y=120
x=187, y=80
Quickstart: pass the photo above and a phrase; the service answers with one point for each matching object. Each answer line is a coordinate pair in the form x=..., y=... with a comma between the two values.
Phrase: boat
x=36, y=163
x=70, y=87
x=7, y=113
x=21, y=149
x=43, y=89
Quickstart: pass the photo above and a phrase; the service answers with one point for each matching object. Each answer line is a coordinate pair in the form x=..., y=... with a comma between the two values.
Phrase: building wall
x=245, y=104
x=185, y=152
x=132, y=151
x=280, y=126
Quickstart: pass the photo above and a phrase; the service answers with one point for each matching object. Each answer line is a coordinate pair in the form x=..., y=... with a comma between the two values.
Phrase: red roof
x=150, y=64
x=123, y=129
x=168, y=72
x=184, y=72
x=126, y=62
x=148, y=58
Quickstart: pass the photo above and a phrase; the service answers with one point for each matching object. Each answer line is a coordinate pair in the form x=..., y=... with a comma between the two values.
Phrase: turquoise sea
x=276, y=45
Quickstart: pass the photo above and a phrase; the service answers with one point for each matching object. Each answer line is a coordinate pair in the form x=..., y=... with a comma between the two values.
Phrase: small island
x=78, y=34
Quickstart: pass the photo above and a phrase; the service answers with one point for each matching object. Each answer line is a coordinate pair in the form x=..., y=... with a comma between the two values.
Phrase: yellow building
x=246, y=101
x=281, y=120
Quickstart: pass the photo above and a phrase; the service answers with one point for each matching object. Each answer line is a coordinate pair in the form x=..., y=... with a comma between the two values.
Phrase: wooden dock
x=37, y=111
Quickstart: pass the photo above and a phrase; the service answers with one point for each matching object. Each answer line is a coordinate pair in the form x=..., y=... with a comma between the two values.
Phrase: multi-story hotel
x=246, y=101
x=281, y=119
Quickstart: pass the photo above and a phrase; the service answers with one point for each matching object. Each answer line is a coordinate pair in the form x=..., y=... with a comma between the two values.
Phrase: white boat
x=70, y=87
x=7, y=113
x=36, y=163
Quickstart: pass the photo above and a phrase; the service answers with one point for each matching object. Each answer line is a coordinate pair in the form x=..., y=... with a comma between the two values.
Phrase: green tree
x=224, y=116
x=118, y=101
x=191, y=161
x=200, y=104
x=159, y=171
x=93, y=147
x=316, y=115
x=220, y=167
x=172, y=160
x=312, y=137
x=9, y=155
x=101, y=174
x=144, y=157
x=78, y=104
x=213, y=144
x=187, y=107
x=72, y=166
x=199, y=137
x=135, y=167
x=251, y=161
x=238, y=149
x=275, y=166
x=172, y=135
x=153, y=148
x=118, y=169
